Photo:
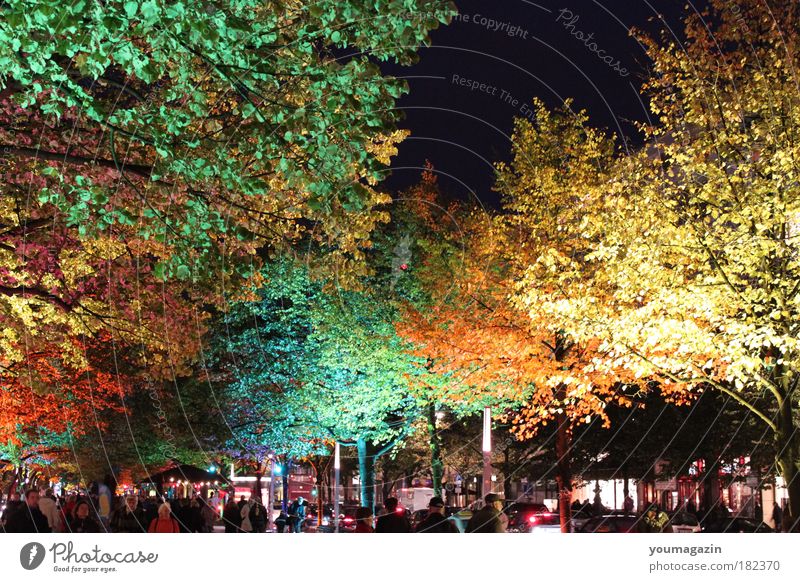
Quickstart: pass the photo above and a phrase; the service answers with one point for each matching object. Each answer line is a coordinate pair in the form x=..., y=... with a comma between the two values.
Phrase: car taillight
x=348, y=520
x=533, y=519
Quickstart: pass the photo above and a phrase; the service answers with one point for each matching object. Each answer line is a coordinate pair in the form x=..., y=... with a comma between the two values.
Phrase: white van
x=414, y=498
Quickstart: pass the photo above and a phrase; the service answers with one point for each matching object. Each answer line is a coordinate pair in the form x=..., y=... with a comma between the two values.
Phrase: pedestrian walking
x=627, y=505
x=232, y=516
x=28, y=518
x=777, y=516
x=12, y=505
x=49, y=508
x=208, y=515
x=164, y=523
x=487, y=519
x=129, y=518
x=394, y=520
x=435, y=521
x=281, y=522
x=258, y=517
x=104, y=502
x=297, y=514
x=364, y=520
x=247, y=525
x=82, y=520
x=194, y=523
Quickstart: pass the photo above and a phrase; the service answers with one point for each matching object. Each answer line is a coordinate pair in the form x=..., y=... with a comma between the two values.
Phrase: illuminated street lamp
x=487, y=451
x=337, y=466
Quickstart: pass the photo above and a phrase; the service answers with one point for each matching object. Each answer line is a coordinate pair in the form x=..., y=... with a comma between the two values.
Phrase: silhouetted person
x=435, y=521
x=82, y=520
x=487, y=519
x=28, y=518
x=394, y=520
x=777, y=516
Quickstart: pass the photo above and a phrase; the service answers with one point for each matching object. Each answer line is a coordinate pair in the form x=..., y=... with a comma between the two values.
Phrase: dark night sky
x=462, y=131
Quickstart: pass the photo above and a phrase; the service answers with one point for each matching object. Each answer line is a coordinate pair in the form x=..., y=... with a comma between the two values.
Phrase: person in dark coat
x=129, y=518
x=364, y=519
x=232, y=516
x=149, y=507
x=82, y=520
x=392, y=521
x=258, y=517
x=28, y=518
x=182, y=513
x=777, y=516
x=194, y=515
x=436, y=522
x=487, y=519
x=208, y=515
x=12, y=505
x=281, y=521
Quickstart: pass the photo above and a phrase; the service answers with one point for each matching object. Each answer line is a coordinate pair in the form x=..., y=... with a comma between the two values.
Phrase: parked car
x=684, y=522
x=579, y=518
x=347, y=519
x=311, y=516
x=611, y=523
x=520, y=514
x=734, y=525
x=550, y=522
x=544, y=523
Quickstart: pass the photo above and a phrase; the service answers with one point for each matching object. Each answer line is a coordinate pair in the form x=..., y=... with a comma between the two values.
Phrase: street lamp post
x=270, y=517
x=337, y=466
x=487, y=451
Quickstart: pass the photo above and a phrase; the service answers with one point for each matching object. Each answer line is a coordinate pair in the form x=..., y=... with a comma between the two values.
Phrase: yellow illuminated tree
x=693, y=255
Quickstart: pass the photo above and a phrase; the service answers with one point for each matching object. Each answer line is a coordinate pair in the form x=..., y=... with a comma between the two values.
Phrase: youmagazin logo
x=32, y=555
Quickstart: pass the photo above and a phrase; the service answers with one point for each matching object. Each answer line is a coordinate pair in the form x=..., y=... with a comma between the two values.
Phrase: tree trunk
x=318, y=481
x=285, y=488
x=786, y=457
x=366, y=473
x=437, y=465
x=387, y=485
x=257, y=486
x=17, y=476
x=564, y=471
x=508, y=472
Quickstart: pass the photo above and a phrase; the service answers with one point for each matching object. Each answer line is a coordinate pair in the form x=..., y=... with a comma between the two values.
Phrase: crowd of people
x=43, y=512
x=97, y=511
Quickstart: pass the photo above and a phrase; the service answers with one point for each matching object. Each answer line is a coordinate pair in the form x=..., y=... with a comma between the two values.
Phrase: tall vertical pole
x=337, y=466
x=270, y=517
x=487, y=451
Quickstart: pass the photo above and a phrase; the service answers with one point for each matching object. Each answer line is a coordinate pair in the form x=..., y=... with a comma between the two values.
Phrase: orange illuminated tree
x=481, y=335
